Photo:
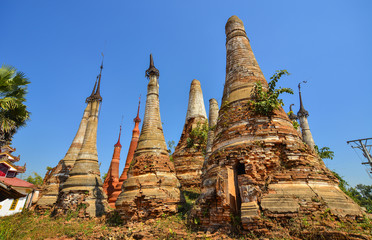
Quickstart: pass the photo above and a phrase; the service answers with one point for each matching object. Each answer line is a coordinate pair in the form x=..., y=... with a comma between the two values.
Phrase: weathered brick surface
x=213, y=117
x=58, y=175
x=84, y=177
x=188, y=160
x=259, y=167
x=152, y=188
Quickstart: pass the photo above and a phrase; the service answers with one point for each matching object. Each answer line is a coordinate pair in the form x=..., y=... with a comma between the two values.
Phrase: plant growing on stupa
x=324, y=152
x=198, y=137
x=265, y=101
x=13, y=111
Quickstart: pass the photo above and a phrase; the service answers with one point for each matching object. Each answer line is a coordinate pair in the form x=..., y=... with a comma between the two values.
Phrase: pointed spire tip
x=152, y=70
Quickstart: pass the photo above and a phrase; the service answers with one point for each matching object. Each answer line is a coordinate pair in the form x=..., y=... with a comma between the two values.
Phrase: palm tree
x=13, y=112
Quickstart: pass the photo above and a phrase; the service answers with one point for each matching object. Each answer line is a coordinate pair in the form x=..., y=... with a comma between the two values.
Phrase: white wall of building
x=6, y=204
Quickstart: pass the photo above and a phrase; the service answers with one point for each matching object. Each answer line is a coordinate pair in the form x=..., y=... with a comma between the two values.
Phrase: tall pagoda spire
x=84, y=179
x=152, y=188
x=259, y=166
x=58, y=175
x=132, y=148
x=213, y=116
x=133, y=144
x=302, y=114
x=188, y=160
x=112, y=178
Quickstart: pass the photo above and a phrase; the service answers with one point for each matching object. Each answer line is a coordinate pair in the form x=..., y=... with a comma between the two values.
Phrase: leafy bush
x=324, y=152
x=265, y=101
x=198, y=137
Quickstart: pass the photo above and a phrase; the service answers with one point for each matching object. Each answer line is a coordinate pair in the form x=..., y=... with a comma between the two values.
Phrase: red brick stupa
x=112, y=178
x=132, y=148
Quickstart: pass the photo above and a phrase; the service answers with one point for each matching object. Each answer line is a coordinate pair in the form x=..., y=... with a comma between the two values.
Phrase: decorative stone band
x=235, y=33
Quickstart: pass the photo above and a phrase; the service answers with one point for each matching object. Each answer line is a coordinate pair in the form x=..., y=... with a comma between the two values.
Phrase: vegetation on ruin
x=324, y=152
x=13, y=111
x=198, y=137
x=294, y=122
x=265, y=101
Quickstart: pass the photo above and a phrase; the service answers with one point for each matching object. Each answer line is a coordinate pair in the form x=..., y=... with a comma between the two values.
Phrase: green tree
x=13, y=111
x=36, y=179
x=265, y=101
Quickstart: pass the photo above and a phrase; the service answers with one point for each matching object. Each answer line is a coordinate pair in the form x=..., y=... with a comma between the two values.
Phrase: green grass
x=29, y=225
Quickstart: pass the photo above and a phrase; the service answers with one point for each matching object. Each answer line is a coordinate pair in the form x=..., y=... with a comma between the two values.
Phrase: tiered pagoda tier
x=152, y=188
x=82, y=191
x=259, y=168
x=112, y=178
x=189, y=153
x=8, y=167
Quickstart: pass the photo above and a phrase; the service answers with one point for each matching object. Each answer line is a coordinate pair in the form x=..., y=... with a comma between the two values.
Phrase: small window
x=14, y=204
x=11, y=174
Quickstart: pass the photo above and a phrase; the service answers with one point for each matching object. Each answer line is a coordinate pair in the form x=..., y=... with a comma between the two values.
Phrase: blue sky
x=58, y=45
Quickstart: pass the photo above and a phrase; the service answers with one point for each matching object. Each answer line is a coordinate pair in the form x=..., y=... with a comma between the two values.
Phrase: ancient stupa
x=189, y=153
x=55, y=177
x=112, y=177
x=213, y=116
x=83, y=188
x=152, y=188
x=132, y=148
x=259, y=168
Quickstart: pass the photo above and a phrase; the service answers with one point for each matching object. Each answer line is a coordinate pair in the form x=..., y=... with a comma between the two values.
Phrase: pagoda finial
x=152, y=70
x=302, y=111
x=92, y=94
x=118, y=143
x=138, y=119
x=97, y=94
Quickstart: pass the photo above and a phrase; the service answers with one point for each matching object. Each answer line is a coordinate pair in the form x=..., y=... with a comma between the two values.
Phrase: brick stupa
x=188, y=160
x=112, y=177
x=152, y=188
x=55, y=177
x=213, y=116
x=82, y=190
x=132, y=148
x=259, y=168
